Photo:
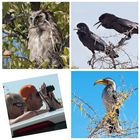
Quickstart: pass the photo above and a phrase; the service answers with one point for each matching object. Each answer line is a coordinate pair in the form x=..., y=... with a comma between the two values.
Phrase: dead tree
x=104, y=61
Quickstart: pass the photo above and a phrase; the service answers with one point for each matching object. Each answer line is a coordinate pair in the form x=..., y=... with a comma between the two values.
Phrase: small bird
x=121, y=25
x=92, y=41
x=110, y=97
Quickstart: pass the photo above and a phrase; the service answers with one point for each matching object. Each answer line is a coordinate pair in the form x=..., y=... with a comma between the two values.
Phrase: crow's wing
x=99, y=43
x=127, y=23
x=98, y=39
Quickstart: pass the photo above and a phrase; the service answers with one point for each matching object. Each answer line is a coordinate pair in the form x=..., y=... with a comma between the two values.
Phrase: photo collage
x=69, y=69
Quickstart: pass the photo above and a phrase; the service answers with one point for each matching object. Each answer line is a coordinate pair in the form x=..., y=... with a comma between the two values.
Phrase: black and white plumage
x=109, y=94
x=44, y=39
x=121, y=25
x=110, y=98
x=92, y=41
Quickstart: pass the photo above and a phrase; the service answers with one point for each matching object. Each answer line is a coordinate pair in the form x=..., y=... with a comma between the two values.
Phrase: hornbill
x=121, y=25
x=92, y=41
x=110, y=97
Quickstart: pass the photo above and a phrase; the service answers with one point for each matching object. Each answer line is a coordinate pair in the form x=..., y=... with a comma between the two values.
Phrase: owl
x=44, y=39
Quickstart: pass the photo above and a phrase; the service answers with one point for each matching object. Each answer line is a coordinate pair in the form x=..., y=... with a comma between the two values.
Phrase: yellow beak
x=100, y=81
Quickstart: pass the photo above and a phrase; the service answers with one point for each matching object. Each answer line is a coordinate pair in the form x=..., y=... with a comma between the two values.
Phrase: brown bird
x=44, y=39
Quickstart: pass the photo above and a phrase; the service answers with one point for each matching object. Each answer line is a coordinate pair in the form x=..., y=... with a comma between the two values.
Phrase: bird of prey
x=92, y=41
x=121, y=25
x=110, y=97
x=45, y=40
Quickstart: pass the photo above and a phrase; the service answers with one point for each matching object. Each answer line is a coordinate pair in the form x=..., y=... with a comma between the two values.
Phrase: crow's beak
x=98, y=23
x=76, y=29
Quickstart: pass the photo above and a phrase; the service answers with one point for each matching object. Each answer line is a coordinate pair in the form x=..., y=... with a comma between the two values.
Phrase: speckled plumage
x=44, y=39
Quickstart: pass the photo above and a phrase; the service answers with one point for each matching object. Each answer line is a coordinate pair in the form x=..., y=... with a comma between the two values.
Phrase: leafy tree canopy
x=15, y=32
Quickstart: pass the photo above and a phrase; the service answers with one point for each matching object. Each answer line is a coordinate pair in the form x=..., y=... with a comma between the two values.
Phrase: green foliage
x=15, y=32
x=65, y=57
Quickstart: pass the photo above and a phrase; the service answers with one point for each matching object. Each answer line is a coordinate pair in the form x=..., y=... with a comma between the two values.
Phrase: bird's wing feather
x=98, y=39
x=115, y=96
x=125, y=22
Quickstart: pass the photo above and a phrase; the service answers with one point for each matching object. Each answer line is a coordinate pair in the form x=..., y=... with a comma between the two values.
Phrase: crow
x=92, y=41
x=121, y=25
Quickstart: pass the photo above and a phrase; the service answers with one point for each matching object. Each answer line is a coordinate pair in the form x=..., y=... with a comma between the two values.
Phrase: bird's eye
x=37, y=17
x=84, y=28
x=40, y=15
x=106, y=81
x=47, y=17
x=31, y=18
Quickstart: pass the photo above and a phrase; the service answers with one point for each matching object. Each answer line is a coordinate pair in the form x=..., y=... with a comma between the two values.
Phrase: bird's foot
x=92, y=60
x=128, y=35
x=89, y=62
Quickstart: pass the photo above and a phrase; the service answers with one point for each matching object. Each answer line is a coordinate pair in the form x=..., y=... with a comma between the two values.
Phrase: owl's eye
x=40, y=16
x=31, y=18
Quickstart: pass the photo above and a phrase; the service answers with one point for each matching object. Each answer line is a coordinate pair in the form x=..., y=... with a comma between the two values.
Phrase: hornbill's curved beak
x=98, y=23
x=101, y=81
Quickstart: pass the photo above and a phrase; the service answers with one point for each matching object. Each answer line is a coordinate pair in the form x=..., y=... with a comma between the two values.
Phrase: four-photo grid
x=97, y=42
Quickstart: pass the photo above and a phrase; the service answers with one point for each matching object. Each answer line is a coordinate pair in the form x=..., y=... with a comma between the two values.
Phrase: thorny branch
x=105, y=62
x=100, y=128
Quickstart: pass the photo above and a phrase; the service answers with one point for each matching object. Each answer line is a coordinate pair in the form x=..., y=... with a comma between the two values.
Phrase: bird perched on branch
x=121, y=25
x=45, y=40
x=110, y=98
x=92, y=41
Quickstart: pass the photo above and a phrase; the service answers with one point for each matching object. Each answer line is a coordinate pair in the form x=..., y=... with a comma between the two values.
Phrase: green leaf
x=5, y=8
x=14, y=49
x=66, y=51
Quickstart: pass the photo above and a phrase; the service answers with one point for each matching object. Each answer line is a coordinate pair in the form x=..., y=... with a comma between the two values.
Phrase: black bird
x=92, y=41
x=121, y=25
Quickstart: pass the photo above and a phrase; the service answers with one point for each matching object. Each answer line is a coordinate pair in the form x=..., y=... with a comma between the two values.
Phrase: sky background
x=14, y=87
x=89, y=12
x=82, y=86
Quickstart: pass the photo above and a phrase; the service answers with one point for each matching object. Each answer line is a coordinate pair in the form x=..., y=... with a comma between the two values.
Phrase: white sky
x=89, y=12
x=15, y=86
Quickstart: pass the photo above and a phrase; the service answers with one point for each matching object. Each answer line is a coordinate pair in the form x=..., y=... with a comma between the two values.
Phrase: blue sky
x=89, y=12
x=14, y=86
x=82, y=86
